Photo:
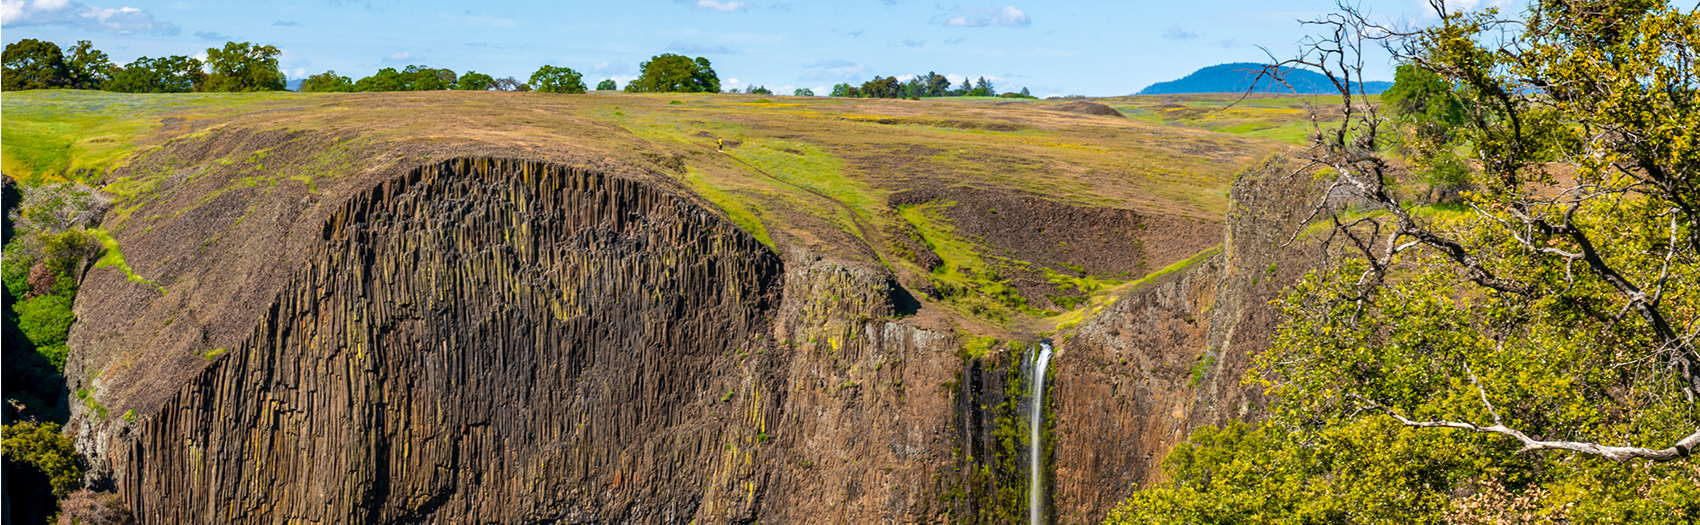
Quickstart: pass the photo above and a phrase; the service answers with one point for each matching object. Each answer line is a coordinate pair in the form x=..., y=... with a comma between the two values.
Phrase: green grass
x=966, y=279
x=113, y=258
x=1108, y=295
x=54, y=134
x=807, y=167
x=810, y=171
x=1283, y=118
x=733, y=207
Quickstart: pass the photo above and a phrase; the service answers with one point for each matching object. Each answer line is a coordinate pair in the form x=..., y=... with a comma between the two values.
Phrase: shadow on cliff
x=32, y=389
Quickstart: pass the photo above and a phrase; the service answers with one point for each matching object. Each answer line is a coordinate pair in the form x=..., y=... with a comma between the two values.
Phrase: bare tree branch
x=1682, y=449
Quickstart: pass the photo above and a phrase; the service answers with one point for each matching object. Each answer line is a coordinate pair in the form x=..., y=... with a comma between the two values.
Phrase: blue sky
x=1096, y=48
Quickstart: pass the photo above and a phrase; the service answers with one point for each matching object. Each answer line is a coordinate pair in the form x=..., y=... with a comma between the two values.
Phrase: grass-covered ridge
x=815, y=172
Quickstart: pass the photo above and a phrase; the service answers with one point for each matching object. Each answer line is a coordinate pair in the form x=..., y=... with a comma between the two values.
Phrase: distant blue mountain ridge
x=1238, y=77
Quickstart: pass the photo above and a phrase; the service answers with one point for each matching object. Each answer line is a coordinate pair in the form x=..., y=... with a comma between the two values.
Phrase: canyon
x=524, y=314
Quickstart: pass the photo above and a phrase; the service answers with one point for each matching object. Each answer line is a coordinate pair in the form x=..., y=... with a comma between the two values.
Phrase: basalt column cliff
x=479, y=341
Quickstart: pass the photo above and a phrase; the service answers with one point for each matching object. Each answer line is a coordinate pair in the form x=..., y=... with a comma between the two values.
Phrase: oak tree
x=244, y=67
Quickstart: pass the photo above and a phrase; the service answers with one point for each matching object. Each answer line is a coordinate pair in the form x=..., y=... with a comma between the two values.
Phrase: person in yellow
x=719, y=144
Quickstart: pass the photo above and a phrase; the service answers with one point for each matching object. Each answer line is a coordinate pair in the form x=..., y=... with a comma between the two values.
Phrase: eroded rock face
x=514, y=342
x=480, y=341
x=1170, y=356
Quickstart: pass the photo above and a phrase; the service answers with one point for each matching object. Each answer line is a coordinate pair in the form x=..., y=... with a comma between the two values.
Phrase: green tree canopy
x=935, y=85
x=670, y=73
x=844, y=90
x=45, y=447
x=33, y=64
x=173, y=74
x=244, y=67
x=411, y=78
x=607, y=85
x=475, y=81
x=551, y=79
x=803, y=92
x=327, y=82
x=881, y=87
x=1537, y=346
x=87, y=67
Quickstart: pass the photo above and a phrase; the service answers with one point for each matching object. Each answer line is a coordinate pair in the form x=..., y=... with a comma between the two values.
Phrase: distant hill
x=1237, y=78
x=293, y=85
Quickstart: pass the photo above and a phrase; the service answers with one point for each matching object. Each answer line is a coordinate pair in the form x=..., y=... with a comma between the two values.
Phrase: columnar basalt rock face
x=481, y=341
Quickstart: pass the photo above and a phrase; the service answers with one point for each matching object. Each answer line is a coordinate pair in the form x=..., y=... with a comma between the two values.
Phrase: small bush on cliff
x=45, y=447
x=87, y=507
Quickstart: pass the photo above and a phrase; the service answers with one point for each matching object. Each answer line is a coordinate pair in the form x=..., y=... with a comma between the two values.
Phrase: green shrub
x=43, y=446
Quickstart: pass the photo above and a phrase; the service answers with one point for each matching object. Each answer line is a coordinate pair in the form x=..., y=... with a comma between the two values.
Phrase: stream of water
x=1036, y=489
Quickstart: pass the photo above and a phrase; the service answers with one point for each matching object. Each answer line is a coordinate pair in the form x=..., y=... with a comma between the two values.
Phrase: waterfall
x=1036, y=489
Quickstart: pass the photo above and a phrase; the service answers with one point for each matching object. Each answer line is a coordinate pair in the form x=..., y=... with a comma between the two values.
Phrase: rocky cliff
x=539, y=333
x=1170, y=356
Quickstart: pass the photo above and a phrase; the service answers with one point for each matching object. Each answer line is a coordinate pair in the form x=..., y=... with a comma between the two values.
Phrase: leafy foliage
x=1505, y=351
x=244, y=67
x=881, y=87
x=44, y=260
x=87, y=67
x=43, y=446
x=33, y=64
x=475, y=81
x=670, y=73
x=173, y=74
x=327, y=82
x=803, y=92
x=411, y=78
x=607, y=84
x=551, y=79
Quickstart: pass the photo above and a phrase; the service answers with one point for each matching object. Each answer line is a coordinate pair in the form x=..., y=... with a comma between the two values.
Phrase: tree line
x=244, y=66
x=929, y=85
x=36, y=64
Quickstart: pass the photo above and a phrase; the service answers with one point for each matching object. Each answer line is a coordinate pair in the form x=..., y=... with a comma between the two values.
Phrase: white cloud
x=1009, y=16
x=122, y=20
x=717, y=5
x=1176, y=32
x=613, y=66
x=212, y=36
x=401, y=56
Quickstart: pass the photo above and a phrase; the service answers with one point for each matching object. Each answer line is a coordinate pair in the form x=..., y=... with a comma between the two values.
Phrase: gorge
x=378, y=315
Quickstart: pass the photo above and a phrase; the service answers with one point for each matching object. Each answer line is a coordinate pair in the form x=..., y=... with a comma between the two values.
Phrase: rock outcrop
x=508, y=341
x=1170, y=356
x=482, y=341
